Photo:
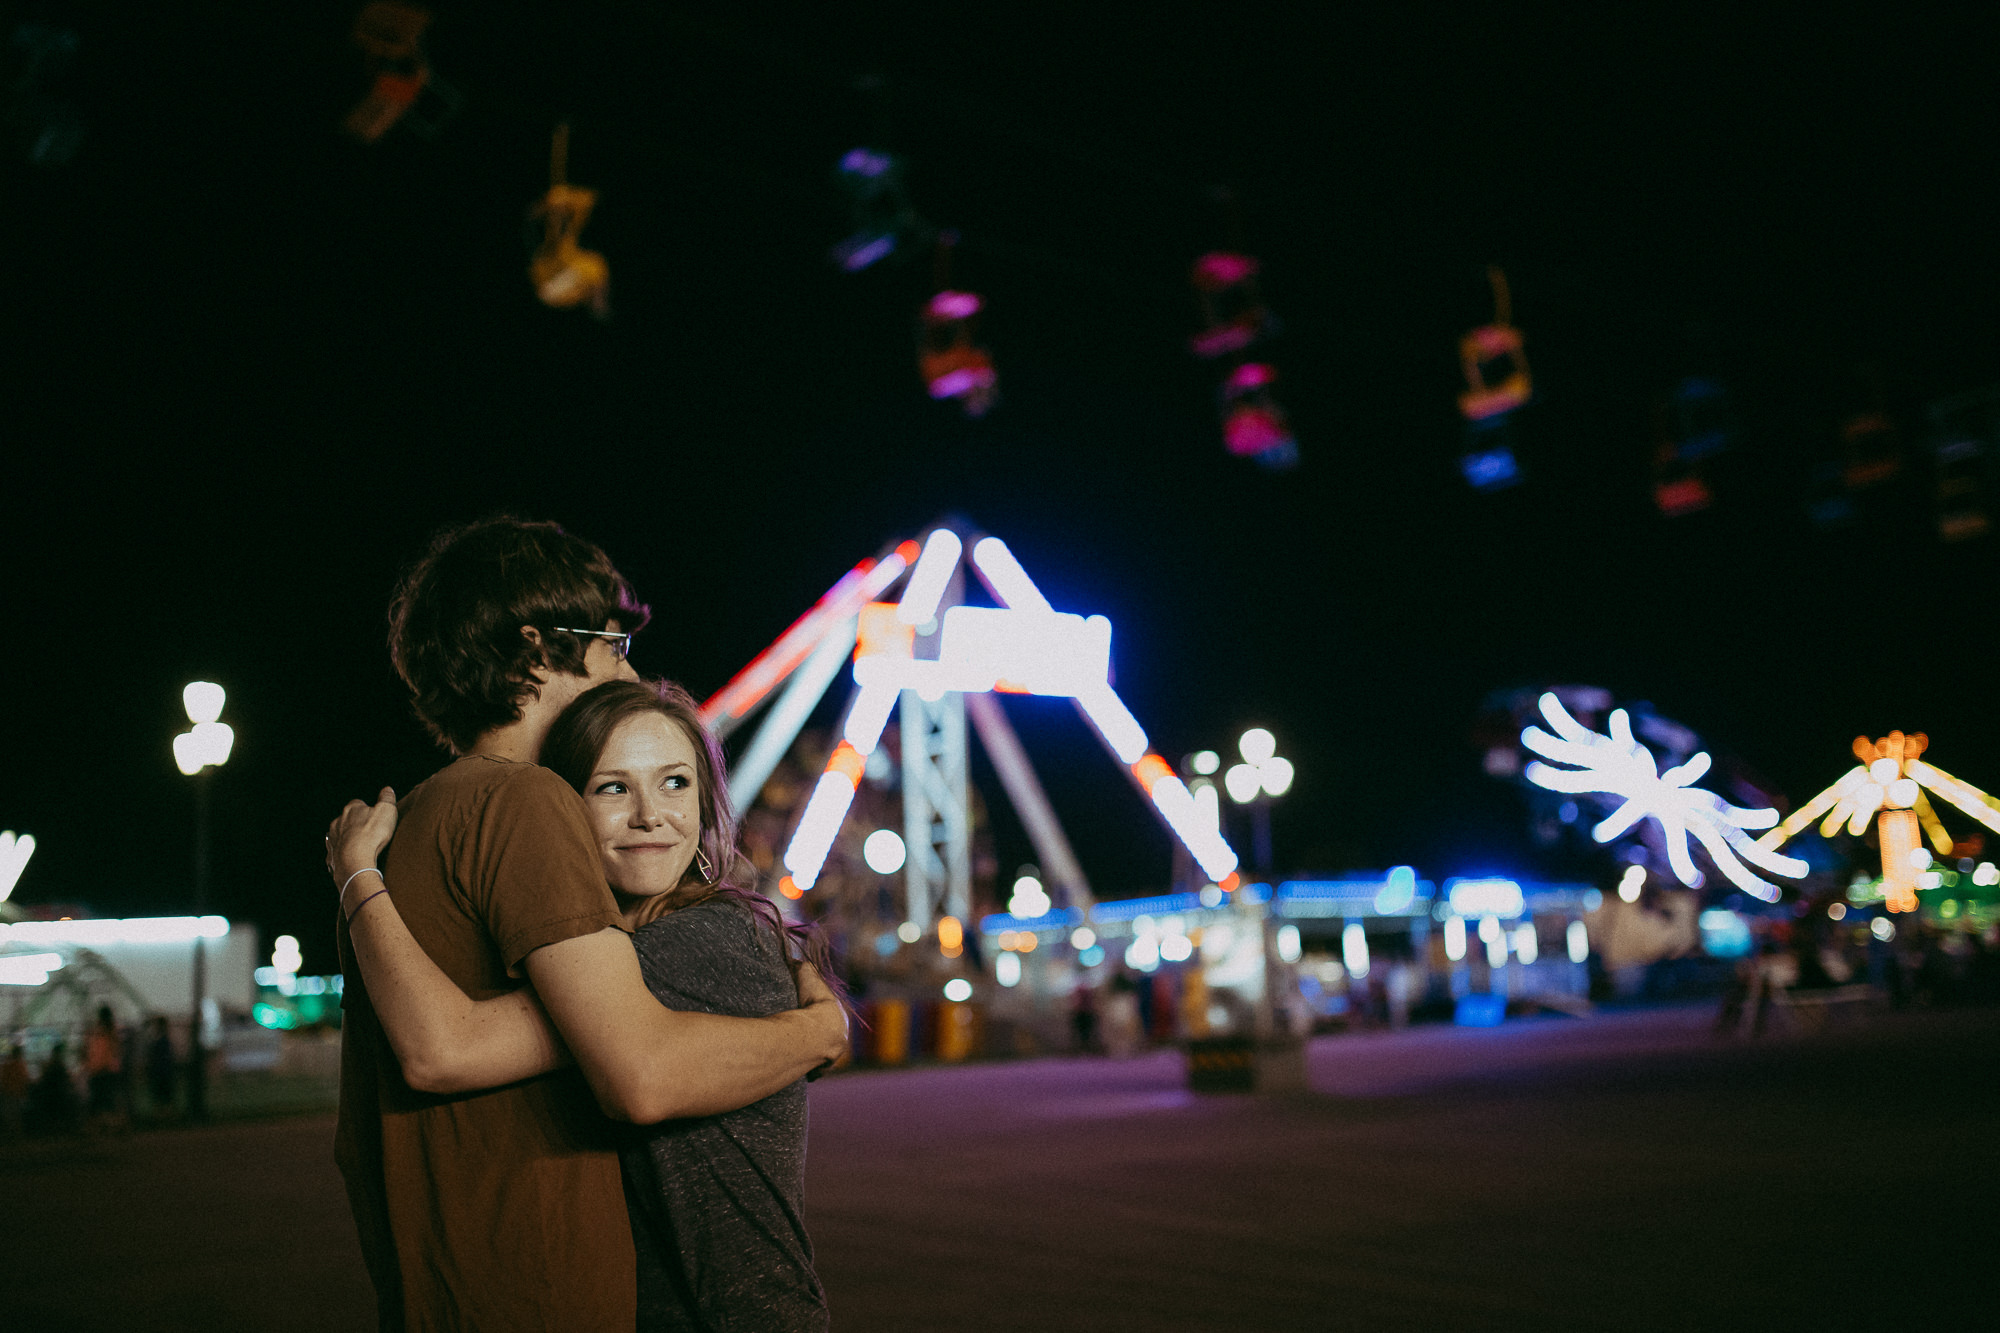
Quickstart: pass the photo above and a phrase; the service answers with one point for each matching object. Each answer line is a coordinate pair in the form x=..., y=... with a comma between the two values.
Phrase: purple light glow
x=954, y=305
x=862, y=162
x=1253, y=430
x=1228, y=338
x=957, y=383
x=1220, y=269
x=1250, y=375
x=856, y=254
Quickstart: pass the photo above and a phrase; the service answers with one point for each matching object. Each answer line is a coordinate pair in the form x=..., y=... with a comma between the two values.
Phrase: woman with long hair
x=716, y=1202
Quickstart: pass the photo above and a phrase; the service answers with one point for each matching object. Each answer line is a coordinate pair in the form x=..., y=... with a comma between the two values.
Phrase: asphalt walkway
x=1625, y=1172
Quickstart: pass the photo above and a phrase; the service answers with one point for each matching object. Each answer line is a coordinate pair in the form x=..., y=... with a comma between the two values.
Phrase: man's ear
x=538, y=671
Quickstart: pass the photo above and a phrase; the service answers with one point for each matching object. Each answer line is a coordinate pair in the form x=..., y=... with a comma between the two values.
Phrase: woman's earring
x=703, y=864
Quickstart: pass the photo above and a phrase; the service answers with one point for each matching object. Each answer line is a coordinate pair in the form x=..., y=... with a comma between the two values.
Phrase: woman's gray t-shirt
x=718, y=1203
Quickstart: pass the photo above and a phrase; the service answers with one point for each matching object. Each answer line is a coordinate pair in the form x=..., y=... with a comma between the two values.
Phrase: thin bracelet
x=365, y=901
x=365, y=870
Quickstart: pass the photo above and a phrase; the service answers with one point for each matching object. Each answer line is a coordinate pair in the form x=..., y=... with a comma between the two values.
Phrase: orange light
x=883, y=635
x=790, y=888
x=1897, y=831
x=1485, y=397
x=1008, y=939
x=847, y=762
x=910, y=550
x=951, y=953
x=1150, y=769
x=951, y=935
x=1231, y=882
x=1026, y=943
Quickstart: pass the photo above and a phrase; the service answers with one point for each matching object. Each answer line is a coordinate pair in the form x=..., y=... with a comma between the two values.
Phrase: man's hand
x=818, y=1000
x=357, y=837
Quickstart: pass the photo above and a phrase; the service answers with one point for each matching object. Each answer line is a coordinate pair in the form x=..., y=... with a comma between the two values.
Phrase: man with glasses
x=503, y=1209
x=620, y=641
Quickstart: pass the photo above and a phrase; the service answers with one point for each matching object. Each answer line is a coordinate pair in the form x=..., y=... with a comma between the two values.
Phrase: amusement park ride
x=1888, y=787
x=1617, y=765
x=940, y=661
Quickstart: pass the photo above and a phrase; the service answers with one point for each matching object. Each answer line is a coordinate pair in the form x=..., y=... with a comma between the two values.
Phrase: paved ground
x=1627, y=1172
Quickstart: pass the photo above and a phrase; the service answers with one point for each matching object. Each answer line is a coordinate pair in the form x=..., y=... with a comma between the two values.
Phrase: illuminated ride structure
x=938, y=661
x=1888, y=787
x=1619, y=766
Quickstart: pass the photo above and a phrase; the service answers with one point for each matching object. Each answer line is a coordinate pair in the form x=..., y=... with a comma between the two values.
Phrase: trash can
x=957, y=1030
x=1242, y=1064
x=889, y=1037
x=1222, y=1064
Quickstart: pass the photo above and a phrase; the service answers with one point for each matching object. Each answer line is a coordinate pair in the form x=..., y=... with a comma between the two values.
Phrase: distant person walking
x=15, y=1081
x=162, y=1066
x=1083, y=1016
x=104, y=1068
x=52, y=1104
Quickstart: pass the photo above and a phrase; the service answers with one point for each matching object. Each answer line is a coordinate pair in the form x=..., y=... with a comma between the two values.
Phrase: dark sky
x=250, y=365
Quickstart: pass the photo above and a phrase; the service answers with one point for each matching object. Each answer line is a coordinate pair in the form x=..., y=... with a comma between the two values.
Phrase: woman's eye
x=610, y=789
x=678, y=782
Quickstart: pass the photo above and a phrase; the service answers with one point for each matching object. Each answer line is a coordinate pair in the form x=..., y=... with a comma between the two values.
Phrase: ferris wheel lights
x=928, y=580
x=1885, y=771
x=1004, y=577
x=1114, y=721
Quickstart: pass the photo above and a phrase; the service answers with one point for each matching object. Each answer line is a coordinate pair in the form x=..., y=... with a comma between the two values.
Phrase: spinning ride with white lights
x=942, y=661
x=1617, y=765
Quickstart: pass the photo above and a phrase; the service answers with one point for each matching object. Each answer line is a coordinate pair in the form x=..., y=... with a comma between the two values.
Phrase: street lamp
x=14, y=854
x=203, y=746
x=1262, y=775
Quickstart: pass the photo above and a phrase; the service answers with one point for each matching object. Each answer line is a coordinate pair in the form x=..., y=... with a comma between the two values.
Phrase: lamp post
x=203, y=746
x=1262, y=775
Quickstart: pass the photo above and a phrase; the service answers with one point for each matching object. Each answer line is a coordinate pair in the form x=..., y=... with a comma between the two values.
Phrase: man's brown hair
x=455, y=621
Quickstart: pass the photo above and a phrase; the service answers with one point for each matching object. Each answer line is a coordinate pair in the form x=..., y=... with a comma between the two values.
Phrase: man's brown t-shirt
x=498, y=1210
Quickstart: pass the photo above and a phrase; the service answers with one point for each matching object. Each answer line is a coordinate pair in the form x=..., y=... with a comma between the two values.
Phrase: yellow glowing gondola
x=564, y=273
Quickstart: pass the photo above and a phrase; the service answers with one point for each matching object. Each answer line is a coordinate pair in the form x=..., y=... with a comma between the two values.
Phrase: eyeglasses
x=621, y=640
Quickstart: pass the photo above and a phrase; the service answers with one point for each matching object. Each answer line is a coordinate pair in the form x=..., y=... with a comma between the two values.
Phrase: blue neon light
x=1061, y=919
x=1491, y=470
x=1398, y=893
x=1480, y=1011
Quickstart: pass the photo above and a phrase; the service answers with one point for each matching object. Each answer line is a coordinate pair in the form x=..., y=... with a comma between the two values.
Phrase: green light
x=273, y=1017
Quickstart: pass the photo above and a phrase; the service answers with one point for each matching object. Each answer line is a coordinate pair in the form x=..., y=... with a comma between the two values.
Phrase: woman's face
x=645, y=807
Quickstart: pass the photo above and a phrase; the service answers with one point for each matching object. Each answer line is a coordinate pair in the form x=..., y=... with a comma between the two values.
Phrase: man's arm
x=647, y=1063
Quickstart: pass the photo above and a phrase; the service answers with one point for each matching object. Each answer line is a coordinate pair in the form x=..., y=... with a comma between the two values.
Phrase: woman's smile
x=645, y=807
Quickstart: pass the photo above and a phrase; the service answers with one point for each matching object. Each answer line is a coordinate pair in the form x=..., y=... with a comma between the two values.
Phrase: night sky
x=250, y=365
